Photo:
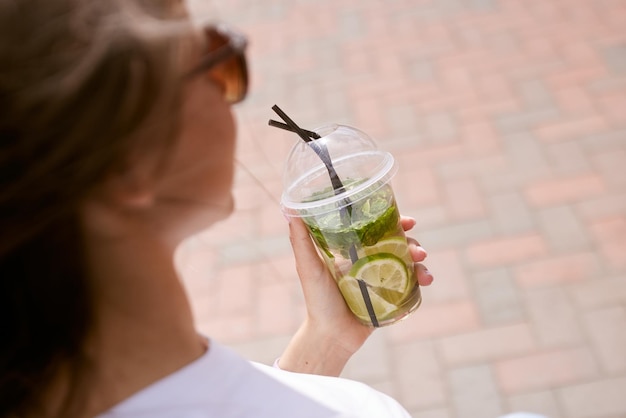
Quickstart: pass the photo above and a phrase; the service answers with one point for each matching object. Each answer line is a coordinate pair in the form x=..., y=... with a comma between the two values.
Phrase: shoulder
x=223, y=385
x=348, y=397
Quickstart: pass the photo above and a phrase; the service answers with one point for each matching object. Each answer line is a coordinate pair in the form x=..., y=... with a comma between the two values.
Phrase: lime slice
x=354, y=299
x=383, y=272
x=394, y=245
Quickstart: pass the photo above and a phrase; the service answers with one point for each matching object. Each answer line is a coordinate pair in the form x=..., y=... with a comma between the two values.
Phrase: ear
x=131, y=186
x=128, y=192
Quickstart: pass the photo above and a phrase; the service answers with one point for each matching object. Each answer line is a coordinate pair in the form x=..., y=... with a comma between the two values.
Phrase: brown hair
x=83, y=83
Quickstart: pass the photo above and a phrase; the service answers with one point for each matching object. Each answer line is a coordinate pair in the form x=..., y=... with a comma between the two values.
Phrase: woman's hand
x=330, y=333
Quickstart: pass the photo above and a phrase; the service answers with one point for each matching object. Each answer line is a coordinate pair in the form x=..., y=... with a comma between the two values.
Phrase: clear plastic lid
x=360, y=166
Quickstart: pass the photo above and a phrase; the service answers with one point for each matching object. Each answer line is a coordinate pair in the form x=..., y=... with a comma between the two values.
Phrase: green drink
x=382, y=261
x=356, y=229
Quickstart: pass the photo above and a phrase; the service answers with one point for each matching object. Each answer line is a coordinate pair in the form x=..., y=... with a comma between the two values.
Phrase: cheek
x=201, y=164
x=208, y=123
x=215, y=150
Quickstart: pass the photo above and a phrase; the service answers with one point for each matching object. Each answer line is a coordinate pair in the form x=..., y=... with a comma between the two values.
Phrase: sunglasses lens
x=232, y=73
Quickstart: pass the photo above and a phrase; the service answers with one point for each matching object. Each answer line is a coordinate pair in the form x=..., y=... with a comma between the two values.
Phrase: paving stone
x=497, y=296
x=533, y=93
x=604, y=291
x=474, y=392
x=246, y=250
x=483, y=5
x=387, y=387
x=524, y=121
x=274, y=309
x=459, y=234
x=563, y=230
x=228, y=329
x=525, y=153
x=402, y=120
x=436, y=319
x=480, y=167
x=543, y=403
x=487, y=344
x=554, y=319
x=452, y=280
x=574, y=100
x=610, y=237
x=372, y=361
x=480, y=139
x=234, y=290
x=510, y=213
x=464, y=199
x=506, y=181
x=263, y=350
x=545, y=370
x=426, y=217
x=424, y=386
x=435, y=154
x=271, y=222
x=456, y=79
x=602, y=207
x=609, y=87
x=568, y=130
x=416, y=187
x=486, y=111
x=440, y=127
x=616, y=58
x=607, y=330
x=602, y=398
x=502, y=251
x=598, y=142
x=580, y=75
x=351, y=25
x=611, y=105
x=422, y=71
x=570, y=189
x=432, y=413
x=567, y=158
x=611, y=163
x=567, y=268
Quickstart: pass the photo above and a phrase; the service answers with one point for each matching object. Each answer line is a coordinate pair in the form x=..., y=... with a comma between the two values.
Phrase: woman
x=117, y=142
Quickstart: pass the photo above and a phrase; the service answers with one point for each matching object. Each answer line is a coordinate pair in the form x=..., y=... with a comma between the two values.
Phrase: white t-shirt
x=220, y=384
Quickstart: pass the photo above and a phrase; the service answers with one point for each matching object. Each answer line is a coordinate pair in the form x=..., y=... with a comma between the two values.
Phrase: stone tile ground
x=508, y=119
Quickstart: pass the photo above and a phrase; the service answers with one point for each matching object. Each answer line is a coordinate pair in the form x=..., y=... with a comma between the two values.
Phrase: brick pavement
x=508, y=119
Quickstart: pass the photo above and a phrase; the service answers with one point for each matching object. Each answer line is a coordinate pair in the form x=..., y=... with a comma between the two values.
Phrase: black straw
x=321, y=151
x=277, y=124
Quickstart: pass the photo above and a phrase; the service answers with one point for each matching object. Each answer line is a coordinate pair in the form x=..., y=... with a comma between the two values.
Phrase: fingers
x=424, y=277
x=304, y=250
x=418, y=253
x=307, y=259
x=407, y=222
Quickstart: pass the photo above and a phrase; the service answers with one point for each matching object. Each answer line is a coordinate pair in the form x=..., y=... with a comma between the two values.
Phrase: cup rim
x=388, y=168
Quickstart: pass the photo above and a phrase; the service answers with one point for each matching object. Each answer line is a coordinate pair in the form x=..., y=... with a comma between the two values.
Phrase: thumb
x=308, y=262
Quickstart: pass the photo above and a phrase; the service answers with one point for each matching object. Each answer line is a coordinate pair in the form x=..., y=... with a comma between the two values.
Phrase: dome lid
x=359, y=164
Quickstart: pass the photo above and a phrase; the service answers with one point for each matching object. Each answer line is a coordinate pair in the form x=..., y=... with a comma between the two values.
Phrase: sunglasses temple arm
x=286, y=127
x=208, y=62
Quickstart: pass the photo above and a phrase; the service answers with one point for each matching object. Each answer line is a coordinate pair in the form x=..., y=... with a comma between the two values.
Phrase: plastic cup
x=356, y=229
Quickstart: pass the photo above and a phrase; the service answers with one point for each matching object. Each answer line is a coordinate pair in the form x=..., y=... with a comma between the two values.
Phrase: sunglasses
x=225, y=62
